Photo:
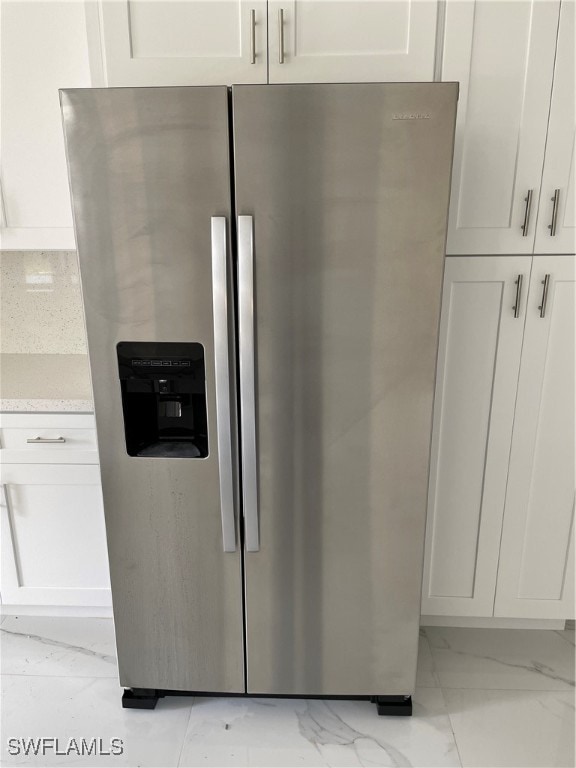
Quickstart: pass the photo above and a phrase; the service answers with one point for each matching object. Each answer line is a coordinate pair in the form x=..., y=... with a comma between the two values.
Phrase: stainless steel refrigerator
x=261, y=270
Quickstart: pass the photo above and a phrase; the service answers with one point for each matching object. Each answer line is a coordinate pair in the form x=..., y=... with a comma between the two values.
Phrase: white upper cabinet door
x=502, y=53
x=184, y=42
x=536, y=573
x=43, y=48
x=478, y=361
x=556, y=231
x=343, y=41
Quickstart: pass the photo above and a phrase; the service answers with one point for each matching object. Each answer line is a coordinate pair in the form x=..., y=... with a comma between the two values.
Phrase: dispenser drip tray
x=175, y=449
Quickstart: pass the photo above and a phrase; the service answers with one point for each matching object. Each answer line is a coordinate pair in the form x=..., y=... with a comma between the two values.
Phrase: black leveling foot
x=140, y=698
x=398, y=706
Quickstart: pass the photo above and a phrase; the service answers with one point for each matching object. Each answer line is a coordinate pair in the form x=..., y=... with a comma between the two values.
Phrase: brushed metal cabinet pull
x=281, y=36
x=37, y=440
x=252, y=36
x=542, y=307
x=526, y=222
x=222, y=375
x=247, y=381
x=555, y=203
x=518, y=284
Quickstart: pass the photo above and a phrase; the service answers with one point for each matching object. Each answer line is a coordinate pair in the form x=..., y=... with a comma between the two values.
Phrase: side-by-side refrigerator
x=261, y=270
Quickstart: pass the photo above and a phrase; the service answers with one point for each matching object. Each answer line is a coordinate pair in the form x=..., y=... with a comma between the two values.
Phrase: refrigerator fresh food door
x=342, y=198
x=150, y=179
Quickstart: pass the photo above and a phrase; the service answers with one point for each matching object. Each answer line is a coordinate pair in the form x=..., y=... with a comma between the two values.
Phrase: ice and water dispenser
x=163, y=399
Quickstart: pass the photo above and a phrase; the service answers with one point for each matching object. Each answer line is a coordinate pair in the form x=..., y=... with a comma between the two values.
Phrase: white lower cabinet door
x=536, y=572
x=53, y=536
x=481, y=330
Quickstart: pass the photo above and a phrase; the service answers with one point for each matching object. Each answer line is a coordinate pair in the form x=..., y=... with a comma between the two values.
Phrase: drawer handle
x=46, y=440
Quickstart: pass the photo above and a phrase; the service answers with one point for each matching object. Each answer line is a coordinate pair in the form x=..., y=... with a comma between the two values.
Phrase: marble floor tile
x=509, y=694
x=513, y=728
x=88, y=707
x=426, y=676
x=501, y=658
x=43, y=645
x=297, y=732
x=567, y=634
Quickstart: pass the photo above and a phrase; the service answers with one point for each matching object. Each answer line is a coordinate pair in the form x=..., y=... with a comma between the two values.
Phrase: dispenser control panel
x=162, y=363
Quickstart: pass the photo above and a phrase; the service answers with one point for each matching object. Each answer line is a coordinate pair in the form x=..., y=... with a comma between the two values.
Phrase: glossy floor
x=484, y=698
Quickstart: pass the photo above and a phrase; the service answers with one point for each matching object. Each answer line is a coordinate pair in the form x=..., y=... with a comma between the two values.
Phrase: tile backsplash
x=40, y=303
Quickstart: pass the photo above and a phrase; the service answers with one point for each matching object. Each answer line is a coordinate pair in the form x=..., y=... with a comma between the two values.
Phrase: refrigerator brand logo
x=411, y=116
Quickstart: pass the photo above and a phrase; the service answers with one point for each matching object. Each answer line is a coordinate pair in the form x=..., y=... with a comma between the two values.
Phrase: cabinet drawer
x=53, y=439
x=48, y=440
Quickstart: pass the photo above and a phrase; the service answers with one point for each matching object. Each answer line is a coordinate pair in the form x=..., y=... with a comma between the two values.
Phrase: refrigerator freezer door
x=348, y=188
x=150, y=178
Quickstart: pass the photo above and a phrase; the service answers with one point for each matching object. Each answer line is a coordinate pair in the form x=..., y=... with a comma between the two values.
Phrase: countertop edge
x=49, y=405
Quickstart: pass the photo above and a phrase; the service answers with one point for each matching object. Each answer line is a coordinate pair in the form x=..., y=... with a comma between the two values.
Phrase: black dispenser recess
x=163, y=398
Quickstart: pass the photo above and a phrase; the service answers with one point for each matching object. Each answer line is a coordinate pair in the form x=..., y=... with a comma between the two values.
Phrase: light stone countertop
x=43, y=356
x=42, y=312
x=45, y=383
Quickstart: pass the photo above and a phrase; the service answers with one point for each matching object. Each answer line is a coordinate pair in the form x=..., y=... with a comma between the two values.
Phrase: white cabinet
x=53, y=539
x=52, y=518
x=514, y=60
x=47, y=438
x=499, y=538
x=478, y=363
x=203, y=42
x=502, y=53
x=338, y=41
x=556, y=229
x=196, y=42
x=536, y=573
x=44, y=48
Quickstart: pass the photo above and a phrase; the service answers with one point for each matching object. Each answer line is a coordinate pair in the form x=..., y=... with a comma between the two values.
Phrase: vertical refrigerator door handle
x=221, y=361
x=247, y=382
